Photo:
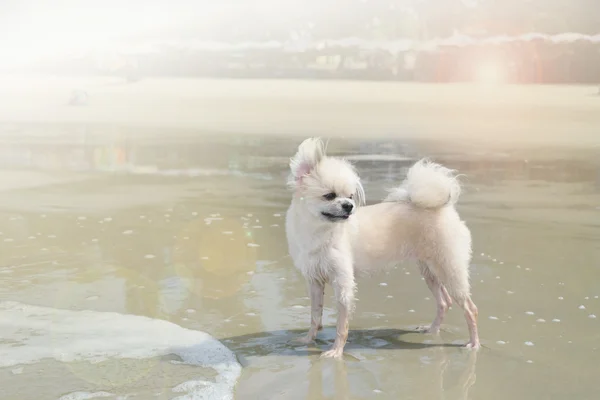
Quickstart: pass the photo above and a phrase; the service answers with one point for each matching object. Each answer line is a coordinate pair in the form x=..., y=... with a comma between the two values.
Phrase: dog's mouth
x=335, y=217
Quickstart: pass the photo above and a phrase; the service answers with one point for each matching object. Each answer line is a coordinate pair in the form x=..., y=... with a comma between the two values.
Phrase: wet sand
x=190, y=229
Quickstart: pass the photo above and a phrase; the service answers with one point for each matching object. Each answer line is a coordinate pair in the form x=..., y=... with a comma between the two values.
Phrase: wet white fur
x=417, y=221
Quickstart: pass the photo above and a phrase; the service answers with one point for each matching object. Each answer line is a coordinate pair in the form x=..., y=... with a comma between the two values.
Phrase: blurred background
x=526, y=41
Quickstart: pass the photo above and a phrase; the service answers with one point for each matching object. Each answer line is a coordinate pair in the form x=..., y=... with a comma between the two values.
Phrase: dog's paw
x=333, y=353
x=472, y=345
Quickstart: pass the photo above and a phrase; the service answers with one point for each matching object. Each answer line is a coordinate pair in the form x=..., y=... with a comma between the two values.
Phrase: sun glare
x=490, y=74
x=64, y=31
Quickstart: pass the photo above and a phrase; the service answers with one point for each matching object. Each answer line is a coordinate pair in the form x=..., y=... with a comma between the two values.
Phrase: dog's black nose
x=347, y=207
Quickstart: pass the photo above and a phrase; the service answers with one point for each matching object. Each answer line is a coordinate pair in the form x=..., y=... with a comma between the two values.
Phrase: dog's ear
x=360, y=197
x=310, y=153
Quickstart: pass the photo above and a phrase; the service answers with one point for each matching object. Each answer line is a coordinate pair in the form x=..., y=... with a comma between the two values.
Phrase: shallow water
x=192, y=231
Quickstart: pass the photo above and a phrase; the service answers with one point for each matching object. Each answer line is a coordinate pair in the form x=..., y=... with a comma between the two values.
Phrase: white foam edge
x=32, y=333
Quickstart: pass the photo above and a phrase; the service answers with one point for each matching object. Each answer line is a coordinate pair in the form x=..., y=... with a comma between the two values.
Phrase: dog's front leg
x=317, y=294
x=344, y=288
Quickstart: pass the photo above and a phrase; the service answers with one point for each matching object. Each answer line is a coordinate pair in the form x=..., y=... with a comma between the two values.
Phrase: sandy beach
x=108, y=257
x=159, y=207
x=498, y=114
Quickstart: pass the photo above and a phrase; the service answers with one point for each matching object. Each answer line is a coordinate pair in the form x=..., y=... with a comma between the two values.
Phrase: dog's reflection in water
x=329, y=379
x=338, y=369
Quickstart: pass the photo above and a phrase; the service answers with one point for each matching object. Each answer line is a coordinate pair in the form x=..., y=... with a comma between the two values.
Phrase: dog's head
x=328, y=187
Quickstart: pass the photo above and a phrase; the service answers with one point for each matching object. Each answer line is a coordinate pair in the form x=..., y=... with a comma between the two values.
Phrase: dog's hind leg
x=441, y=297
x=471, y=317
x=446, y=296
x=471, y=313
x=455, y=277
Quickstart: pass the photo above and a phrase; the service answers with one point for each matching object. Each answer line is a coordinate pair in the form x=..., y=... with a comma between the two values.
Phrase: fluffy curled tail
x=428, y=185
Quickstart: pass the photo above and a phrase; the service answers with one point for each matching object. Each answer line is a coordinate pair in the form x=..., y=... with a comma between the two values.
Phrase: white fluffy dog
x=332, y=238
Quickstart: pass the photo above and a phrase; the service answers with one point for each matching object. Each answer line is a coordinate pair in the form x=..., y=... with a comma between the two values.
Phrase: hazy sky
x=100, y=17
x=33, y=28
x=97, y=18
x=30, y=29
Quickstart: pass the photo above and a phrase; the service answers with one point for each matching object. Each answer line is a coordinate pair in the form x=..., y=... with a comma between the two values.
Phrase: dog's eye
x=330, y=196
x=351, y=196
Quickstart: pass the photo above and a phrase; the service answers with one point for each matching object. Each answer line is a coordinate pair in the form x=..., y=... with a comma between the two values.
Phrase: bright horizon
x=34, y=29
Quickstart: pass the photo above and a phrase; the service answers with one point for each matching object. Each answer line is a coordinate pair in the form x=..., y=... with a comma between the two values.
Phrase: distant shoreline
x=560, y=114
